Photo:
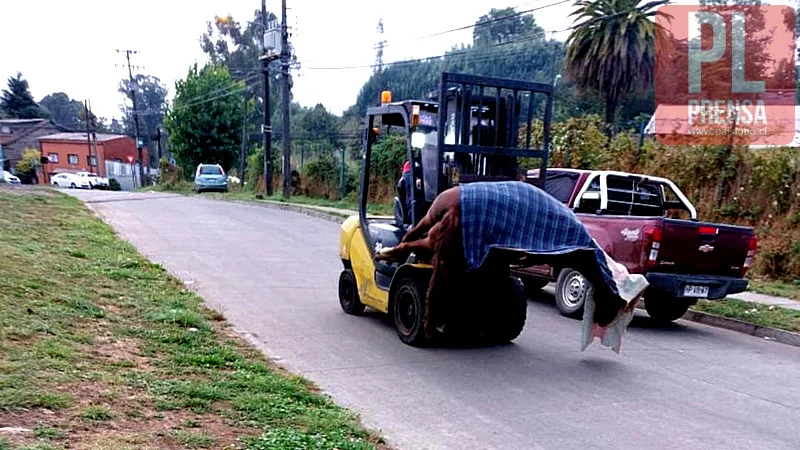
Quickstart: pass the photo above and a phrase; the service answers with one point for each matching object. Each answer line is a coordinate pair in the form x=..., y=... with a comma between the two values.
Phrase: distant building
x=17, y=135
x=73, y=152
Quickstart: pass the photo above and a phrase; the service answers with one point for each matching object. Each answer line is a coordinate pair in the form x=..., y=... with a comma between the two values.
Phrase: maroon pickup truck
x=628, y=215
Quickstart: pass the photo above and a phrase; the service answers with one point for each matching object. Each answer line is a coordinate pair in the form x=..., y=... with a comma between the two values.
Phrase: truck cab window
x=590, y=205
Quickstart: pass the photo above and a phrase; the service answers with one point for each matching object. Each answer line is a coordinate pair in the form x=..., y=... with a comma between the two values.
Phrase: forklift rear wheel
x=511, y=312
x=348, y=293
x=571, y=290
x=408, y=311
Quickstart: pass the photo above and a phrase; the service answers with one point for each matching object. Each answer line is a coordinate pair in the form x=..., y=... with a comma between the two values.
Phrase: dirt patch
x=120, y=352
x=134, y=424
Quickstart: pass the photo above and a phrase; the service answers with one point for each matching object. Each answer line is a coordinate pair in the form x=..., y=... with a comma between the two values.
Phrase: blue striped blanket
x=518, y=216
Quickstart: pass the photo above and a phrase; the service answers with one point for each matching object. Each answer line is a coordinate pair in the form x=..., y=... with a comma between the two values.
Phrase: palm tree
x=612, y=47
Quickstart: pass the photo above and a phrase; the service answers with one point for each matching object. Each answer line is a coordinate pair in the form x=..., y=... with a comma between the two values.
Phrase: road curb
x=772, y=334
x=751, y=329
x=330, y=217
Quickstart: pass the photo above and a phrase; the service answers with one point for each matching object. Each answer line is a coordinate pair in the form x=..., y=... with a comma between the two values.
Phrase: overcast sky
x=70, y=46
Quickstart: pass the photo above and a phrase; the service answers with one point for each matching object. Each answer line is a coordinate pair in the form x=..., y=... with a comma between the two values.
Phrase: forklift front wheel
x=408, y=311
x=348, y=294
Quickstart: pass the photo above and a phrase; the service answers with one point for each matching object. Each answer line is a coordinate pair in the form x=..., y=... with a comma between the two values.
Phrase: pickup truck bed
x=683, y=260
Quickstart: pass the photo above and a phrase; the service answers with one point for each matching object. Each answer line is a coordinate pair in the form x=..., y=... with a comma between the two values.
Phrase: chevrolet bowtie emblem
x=705, y=248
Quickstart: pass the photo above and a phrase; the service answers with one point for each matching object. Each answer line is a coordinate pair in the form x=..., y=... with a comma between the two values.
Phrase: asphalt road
x=274, y=275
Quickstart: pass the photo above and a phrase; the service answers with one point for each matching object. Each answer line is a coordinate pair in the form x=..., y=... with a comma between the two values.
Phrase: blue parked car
x=210, y=177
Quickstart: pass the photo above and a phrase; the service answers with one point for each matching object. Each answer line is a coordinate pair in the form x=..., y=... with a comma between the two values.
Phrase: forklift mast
x=479, y=134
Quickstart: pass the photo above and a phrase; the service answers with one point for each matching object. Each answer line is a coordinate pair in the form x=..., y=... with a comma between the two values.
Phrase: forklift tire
x=571, y=288
x=408, y=311
x=348, y=294
x=510, y=313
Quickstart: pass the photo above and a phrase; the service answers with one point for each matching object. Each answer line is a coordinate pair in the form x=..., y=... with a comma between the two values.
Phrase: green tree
x=64, y=111
x=204, y=122
x=17, y=101
x=500, y=26
x=151, y=97
x=237, y=45
x=612, y=49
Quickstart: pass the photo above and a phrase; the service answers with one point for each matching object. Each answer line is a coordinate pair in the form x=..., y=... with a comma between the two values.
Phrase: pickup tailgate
x=704, y=248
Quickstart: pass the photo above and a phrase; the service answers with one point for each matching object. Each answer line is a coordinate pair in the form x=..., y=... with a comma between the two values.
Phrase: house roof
x=22, y=128
x=101, y=137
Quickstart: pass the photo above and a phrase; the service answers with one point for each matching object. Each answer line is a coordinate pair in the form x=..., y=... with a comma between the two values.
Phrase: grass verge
x=764, y=315
x=776, y=288
x=100, y=348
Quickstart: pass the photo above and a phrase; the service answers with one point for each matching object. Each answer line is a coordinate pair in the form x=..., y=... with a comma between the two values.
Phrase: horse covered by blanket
x=475, y=224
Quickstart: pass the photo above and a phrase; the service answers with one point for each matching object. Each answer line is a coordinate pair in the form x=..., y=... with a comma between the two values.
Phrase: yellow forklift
x=475, y=129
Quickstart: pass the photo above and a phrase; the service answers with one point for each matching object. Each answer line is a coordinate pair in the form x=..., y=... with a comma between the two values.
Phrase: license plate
x=695, y=291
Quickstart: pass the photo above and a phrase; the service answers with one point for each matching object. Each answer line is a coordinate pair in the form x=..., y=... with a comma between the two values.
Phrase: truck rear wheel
x=348, y=294
x=663, y=308
x=408, y=311
x=571, y=288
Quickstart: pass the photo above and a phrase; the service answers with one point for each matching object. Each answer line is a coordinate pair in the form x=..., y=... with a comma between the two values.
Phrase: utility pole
x=94, y=145
x=158, y=137
x=128, y=54
x=244, y=139
x=379, y=55
x=287, y=150
x=265, y=59
x=88, y=133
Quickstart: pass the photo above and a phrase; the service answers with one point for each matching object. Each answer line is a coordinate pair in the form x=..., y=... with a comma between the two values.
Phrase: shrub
x=113, y=185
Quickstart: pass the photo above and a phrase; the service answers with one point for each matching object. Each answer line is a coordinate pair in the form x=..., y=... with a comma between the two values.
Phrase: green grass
x=193, y=440
x=42, y=432
x=97, y=414
x=777, y=288
x=767, y=316
x=97, y=335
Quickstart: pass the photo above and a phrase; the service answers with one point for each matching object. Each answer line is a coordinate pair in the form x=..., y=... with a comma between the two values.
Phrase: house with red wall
x=74, y=152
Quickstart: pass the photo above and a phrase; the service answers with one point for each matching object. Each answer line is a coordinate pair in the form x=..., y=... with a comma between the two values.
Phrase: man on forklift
x=404, y=194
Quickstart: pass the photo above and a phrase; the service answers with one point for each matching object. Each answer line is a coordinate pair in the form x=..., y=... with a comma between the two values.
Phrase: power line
x=472, y=49
x=487, y=22
x=450, y=54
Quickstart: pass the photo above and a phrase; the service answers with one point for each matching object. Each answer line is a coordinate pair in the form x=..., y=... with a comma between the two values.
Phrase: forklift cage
x=457, y=134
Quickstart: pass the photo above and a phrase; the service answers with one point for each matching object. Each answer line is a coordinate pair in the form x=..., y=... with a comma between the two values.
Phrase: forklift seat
x=386, y=235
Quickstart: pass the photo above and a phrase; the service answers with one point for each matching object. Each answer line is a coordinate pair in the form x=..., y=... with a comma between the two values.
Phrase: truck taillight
x=752, y=245
x=652, y=235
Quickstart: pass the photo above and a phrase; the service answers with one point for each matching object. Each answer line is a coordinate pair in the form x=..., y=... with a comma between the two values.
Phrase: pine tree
x=17, y=101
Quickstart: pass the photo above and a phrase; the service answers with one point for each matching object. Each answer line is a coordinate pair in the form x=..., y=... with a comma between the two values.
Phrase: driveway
x=274, y=275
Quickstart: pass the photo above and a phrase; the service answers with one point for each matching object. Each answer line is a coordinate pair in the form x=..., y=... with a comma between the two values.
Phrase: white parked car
x=70, y=180
x=94, y=179
x=10, y=179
